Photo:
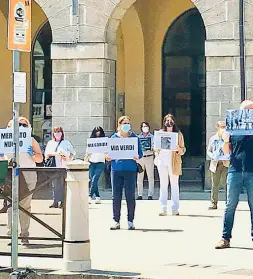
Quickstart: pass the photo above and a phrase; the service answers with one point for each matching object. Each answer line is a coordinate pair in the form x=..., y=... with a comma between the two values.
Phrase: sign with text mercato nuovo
x=6, y=140
x=122, y=148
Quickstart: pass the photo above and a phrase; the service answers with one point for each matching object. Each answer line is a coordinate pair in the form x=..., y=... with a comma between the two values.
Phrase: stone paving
x=160, y=247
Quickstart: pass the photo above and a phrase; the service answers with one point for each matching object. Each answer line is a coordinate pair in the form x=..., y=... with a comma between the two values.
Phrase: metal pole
x=242, y=50
x=15, y=171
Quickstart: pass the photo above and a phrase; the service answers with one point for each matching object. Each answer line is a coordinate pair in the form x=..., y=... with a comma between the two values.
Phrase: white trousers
x=147, y=164
x=164, y=183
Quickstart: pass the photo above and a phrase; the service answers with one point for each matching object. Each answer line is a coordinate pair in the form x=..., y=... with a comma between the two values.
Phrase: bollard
x=76, y=253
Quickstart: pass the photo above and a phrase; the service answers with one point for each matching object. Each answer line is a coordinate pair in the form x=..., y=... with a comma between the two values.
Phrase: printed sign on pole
x=6, y=140
x=97, y=145
x=122, y=148
x=19, y=87
x=19, y=25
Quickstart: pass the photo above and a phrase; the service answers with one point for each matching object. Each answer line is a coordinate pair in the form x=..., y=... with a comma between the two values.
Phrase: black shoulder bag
x=50, y=162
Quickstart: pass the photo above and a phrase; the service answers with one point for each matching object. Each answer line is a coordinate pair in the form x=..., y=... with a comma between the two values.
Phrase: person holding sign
x=97, y=166
x=169, y=164
x=59, y=151
x=124, y=174
x=219, y=163
x=26, y=160
x=147, y=161
x=240, y=174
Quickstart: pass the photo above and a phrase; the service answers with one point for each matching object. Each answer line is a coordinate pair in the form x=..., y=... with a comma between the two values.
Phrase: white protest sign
x=166, y=140
x=97, y=145
x=6, y=140
x=122, y=148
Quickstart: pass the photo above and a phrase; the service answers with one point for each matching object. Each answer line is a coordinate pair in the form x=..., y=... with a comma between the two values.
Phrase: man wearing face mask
x=147, y=161
x=218, y=167
x=124, y=175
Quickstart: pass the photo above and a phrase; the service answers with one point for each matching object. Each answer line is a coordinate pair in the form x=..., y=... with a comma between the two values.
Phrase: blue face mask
x=125, y=128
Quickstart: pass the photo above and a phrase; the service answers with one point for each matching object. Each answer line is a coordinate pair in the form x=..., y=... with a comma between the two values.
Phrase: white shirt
x=97, y=158
x=65, y=148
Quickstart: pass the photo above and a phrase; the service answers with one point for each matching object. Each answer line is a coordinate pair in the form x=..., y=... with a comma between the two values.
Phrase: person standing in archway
x=169, y=164
x=147, y=161
x=218, y=165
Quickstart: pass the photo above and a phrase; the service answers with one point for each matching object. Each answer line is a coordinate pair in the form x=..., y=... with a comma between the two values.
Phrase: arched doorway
x=42, y=84
x=184, y=82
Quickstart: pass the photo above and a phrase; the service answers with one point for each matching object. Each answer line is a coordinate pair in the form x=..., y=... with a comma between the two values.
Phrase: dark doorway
x=42, y=85
x=184, y=82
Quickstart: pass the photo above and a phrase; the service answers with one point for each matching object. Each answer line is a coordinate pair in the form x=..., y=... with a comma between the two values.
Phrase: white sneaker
x=90, y=200
x=98, y=200
x=115, y=226
x=131, y=226
x=163, y=213
x=9, y=232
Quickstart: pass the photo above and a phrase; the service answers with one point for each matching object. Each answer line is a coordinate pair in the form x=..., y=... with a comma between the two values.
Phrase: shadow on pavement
x=113, y=273
x=242, y=248
x=43, y=246
x=159, y=230
x=199, y=216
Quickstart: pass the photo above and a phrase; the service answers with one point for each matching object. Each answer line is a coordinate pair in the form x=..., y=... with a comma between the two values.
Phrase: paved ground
x=161, y=247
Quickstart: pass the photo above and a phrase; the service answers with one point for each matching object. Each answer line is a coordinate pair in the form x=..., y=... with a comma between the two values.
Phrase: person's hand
x=226, y=136
x=63, y=157
x=108, y=159
x=30, y=151
x=136, y=158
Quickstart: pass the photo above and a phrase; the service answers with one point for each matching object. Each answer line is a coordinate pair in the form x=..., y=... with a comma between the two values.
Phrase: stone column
x=77, y=241
x=83, y=90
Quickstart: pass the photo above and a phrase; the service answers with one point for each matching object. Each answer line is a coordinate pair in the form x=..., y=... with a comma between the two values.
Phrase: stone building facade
x=84, y=55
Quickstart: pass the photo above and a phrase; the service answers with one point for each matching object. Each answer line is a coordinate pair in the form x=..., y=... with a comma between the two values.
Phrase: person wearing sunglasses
x=26, y=160
x=124, y=175
x=218, y=165
x=63, y=151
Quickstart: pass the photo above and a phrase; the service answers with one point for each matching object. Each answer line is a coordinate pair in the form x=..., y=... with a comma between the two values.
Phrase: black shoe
x=54, y=205
x=139, y=198
x=61, y=205
x=4, y=209
x=150, y=198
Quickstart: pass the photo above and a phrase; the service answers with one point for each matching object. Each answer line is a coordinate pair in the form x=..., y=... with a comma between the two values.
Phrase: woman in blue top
x=124, y=175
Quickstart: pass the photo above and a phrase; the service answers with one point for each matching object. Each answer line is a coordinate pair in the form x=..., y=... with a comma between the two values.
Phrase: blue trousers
x=120, y=180
x=235, y=183
x=58, y=189
x=95, y=172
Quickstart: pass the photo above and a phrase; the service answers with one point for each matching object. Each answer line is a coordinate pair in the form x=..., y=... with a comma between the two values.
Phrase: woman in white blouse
x=63, y=152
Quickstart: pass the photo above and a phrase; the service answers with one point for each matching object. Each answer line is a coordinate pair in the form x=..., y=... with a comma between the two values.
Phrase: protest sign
x=239, y=122
x=146, y=144
x=166, y=140
x=218, y=154
x=6, y=140
x=97, y=145
x=122, y=148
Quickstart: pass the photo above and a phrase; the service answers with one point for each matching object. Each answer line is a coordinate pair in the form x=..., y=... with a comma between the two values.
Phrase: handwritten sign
x=166, y=140
x=97, y=145
x=122, y=148
x=6, y=140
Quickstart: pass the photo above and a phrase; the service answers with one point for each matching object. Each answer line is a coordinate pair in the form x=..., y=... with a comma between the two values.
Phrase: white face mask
x=145, y=129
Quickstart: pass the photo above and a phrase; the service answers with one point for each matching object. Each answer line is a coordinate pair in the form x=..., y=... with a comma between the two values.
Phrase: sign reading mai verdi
x=6, y=140
x=117, y=148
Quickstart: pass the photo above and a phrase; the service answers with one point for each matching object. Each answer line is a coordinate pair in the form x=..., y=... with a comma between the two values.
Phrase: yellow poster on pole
x=19, y=25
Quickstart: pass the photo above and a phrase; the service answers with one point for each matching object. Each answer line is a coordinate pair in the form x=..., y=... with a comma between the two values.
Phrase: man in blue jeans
x=240, y=174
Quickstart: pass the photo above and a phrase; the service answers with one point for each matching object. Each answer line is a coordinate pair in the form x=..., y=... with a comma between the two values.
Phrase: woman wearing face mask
x=97, y=166
x=218, y=167
x=124, y=175
x=26, y=160
x=63, y=152
x=147, y=161
x=169, y=165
